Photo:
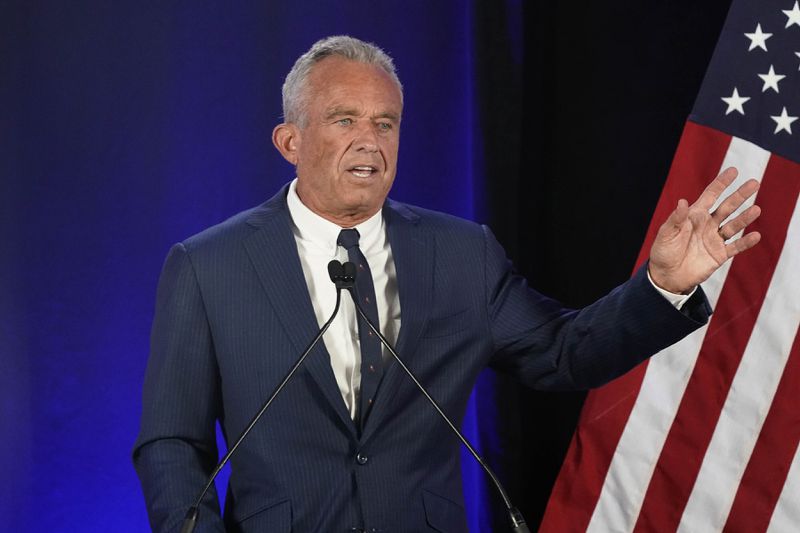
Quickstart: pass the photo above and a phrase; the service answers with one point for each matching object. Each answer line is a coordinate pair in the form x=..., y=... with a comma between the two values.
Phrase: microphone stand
x=342, y=282
x=518, y=524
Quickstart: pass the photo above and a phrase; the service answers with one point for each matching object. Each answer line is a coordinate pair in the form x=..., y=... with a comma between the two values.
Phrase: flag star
x=771, y=80
x=793, y=14
x=783, y=121
x=758, y=39
x=735, y=102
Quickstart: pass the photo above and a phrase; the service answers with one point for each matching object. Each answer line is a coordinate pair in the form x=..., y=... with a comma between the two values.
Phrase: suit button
x=362, y=459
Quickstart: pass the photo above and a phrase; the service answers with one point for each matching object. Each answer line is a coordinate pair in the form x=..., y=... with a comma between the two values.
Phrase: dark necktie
x=371, y=359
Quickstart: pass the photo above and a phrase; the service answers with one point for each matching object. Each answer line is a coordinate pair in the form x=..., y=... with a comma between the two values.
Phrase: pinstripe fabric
x=233, y=312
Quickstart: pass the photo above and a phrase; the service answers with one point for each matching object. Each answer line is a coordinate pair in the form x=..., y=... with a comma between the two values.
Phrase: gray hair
x=295, y=86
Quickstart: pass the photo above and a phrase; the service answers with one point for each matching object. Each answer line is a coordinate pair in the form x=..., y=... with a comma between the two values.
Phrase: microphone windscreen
x=349, y=271
x=335, y=270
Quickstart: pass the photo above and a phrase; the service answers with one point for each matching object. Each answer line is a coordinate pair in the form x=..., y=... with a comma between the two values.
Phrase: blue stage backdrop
x=128, y=126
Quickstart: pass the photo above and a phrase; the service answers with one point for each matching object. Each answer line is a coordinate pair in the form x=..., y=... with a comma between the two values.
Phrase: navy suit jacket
x=233, y=313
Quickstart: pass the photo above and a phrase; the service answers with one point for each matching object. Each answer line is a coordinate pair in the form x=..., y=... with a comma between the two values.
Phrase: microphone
x=342, y=275
x=518, y=524
x=343, y=278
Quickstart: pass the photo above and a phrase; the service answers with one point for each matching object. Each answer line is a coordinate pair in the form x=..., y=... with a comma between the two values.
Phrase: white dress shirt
x=316, y=245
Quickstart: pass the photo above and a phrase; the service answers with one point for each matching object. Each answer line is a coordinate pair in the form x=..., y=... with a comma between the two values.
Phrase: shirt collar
x=322, y=233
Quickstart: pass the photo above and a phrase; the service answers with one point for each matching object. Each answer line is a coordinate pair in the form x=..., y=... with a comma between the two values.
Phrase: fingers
x=740, y=245
x=734, y=226
x=716, y=188
x=735, y=200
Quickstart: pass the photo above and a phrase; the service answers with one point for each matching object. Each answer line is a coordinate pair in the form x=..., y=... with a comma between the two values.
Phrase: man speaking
x=351, y=444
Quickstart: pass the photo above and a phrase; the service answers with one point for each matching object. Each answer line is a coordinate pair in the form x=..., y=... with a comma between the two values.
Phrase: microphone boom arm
x=517, y=521
x=190, y=520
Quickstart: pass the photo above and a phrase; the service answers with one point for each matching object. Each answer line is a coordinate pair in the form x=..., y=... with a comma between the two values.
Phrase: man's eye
x=384, y=126
x=344, y=121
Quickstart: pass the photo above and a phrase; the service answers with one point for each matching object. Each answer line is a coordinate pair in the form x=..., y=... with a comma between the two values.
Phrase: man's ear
x=286, y=138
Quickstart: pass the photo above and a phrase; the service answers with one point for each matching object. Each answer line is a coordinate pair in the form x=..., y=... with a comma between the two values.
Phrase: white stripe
x=786, y=517
x=662, y=389
x=750, y=395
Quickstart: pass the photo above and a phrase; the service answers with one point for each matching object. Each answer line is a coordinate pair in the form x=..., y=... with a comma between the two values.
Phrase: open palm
x=691, y=244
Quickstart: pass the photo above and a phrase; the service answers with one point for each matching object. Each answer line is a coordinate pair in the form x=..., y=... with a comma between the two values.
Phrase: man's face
x=346, y=150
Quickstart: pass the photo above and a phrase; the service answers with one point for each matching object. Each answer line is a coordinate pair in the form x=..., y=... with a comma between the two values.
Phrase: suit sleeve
x=176, y=448
x=549, y=347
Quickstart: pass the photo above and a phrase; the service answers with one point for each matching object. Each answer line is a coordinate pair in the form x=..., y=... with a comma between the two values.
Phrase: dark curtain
x=127, y=126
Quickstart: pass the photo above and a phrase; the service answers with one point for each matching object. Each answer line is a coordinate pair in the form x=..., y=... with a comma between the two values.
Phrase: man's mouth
x=364, y=171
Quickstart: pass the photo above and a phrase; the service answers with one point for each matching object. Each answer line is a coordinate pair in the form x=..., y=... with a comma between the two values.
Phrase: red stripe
x=728, y=333
x=772, y=456
x=606, y=410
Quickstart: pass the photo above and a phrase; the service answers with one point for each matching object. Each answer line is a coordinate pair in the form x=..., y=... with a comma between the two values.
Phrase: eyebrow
x=389, y=115
x=339, y=112
x=346, y=111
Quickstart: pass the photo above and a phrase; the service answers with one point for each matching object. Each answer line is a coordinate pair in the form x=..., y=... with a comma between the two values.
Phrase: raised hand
x=691, y=244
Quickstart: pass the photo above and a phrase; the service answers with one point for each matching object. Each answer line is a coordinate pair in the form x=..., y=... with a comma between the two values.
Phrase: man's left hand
x=691, y=245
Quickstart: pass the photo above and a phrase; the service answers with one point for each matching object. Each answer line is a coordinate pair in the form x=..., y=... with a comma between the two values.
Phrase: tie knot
x=348, y=238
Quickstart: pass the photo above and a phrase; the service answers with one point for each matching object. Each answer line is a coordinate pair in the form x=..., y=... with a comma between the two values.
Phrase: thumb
x=677, y=217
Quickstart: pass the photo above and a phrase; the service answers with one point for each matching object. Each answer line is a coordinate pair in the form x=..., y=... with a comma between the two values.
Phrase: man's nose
x=366, y=137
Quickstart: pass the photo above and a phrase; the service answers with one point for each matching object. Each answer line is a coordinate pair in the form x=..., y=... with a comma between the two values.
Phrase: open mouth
x=363, y=171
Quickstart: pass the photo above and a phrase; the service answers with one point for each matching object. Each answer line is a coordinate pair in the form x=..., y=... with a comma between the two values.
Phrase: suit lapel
x=273, y=252
x=413, y=254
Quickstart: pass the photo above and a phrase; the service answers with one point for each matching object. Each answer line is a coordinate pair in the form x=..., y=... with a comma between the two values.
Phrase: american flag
x=704, y=436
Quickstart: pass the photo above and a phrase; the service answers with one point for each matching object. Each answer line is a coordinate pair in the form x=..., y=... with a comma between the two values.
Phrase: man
x=351, y=445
